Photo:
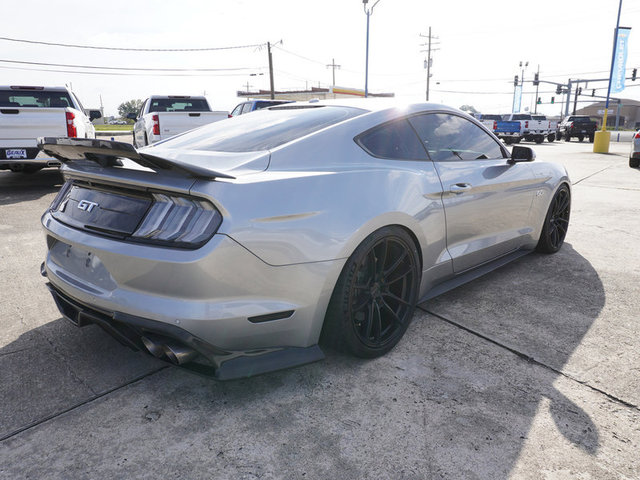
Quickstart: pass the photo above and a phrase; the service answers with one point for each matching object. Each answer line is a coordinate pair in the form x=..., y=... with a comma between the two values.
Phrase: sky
x=480, y=46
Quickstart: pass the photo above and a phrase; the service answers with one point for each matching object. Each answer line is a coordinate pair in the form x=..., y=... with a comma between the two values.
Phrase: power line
x=94, y=47
x=121, y=74
x=130, y=68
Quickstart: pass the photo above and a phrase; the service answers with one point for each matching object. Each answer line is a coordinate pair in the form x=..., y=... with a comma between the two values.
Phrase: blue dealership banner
x=620, y=61
x=517, y=99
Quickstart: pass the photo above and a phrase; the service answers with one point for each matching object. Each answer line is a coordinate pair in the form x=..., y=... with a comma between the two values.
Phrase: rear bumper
x=210, y=360
x=221, y=295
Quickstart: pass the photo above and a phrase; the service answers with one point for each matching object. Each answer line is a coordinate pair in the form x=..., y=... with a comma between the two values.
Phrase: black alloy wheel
x=375, y=297
x=556, y=222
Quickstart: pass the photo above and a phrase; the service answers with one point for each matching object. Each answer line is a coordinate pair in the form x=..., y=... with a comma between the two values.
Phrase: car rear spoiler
x=107, y=154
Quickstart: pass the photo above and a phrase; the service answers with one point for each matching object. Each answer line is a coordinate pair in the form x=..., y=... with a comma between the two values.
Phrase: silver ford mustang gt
x=235, y=248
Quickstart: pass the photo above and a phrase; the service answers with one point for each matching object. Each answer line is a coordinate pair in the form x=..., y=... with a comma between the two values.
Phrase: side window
x=246, y=107
x=395, y=140
x=237, y=110
x=449, y=138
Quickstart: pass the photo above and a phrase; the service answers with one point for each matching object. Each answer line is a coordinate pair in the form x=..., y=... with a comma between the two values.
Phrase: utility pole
x=429, y=60
x=248, y=86
x=334, y=66
x=273, y=93
x=575, y=98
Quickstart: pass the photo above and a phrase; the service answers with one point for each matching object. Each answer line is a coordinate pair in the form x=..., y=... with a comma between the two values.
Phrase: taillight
x=179, y=221
x=156, y=124
x=571, y=125
x=637, y=135
x=495, y=125
x=71, y=128
x=526, y=124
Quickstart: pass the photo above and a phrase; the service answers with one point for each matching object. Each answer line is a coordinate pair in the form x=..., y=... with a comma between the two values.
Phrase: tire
x=375, y=296
x=592, y=137
x=539, y=139
x=558, y=136
x=133, y=142
x=508, y=140
x=556, y=222
x=551, y=137
x=580, y=138
x=634, y=162
x=517, y=140
x=567, y=137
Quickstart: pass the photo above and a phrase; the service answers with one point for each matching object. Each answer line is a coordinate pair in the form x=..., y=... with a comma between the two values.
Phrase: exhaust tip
x=179, y=354
x=154, y=348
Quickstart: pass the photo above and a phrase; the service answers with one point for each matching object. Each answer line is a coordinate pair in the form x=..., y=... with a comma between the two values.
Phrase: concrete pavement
x=529, y=372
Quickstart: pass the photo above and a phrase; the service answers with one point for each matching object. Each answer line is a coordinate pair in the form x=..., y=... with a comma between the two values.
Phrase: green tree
x=132, y=106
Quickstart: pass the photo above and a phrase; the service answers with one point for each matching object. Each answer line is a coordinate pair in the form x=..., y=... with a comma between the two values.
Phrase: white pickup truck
x=162, y=117
x=27, y=113
x=534, y=128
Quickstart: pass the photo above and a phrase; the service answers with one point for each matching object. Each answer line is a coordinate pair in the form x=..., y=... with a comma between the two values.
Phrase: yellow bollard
x=601, y=141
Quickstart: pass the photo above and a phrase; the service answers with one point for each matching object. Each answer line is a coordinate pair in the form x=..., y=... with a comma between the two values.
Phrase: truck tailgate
x=20, y=127
x=174, y=123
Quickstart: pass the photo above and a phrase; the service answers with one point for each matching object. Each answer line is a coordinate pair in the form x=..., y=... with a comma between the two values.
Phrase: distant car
x=242, y=243
x=634, y=155
x=252, y=105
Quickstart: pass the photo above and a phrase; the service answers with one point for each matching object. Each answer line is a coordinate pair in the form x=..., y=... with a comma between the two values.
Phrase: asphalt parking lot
x=530, y=372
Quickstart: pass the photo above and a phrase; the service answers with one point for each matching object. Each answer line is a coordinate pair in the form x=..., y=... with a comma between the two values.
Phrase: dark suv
x=579, y=126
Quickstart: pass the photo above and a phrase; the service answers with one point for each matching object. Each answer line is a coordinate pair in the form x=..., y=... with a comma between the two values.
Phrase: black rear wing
x=108, y=153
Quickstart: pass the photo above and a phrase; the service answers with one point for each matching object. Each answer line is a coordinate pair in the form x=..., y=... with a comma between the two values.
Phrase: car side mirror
x=93, y=114
x=132, y=116
x=522, y=154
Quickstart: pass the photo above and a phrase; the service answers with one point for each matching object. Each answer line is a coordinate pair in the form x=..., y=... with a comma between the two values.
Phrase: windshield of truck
x=492, y=117
x=34, y=99
x=179, y=105
x=521, y=117
x=262, y=130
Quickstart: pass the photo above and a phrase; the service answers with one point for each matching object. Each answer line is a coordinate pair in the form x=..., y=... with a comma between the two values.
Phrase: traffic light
x=515, y=81
x=536, y=79
x=558, y=89
x=553, y=99
x=539, y=100
x=633, y=74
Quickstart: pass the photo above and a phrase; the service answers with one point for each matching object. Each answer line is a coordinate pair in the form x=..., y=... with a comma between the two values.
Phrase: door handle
x=459, y=187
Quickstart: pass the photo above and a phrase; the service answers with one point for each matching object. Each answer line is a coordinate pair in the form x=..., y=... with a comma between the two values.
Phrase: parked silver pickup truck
x=162, y=117
x=28, y=112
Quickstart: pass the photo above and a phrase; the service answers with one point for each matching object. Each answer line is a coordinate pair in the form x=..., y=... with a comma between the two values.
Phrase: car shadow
x=23, y=187
x=469, y=377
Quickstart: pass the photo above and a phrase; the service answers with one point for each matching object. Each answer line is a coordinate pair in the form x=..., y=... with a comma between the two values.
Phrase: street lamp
x=368, y=13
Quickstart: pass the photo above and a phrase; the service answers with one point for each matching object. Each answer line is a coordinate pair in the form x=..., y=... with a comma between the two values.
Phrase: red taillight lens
x=637, y=135
x=71, y=128
x=571, y=125
x=526, y=124
x=495, y=125
x=156, y=124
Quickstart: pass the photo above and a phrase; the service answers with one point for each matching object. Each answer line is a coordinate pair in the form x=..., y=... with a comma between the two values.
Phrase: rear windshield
x=521, y=117
x=580, y=119
x=262, y=130
x=179, y=105
x=538, y=117
x=491, y=117
x=34, y=99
